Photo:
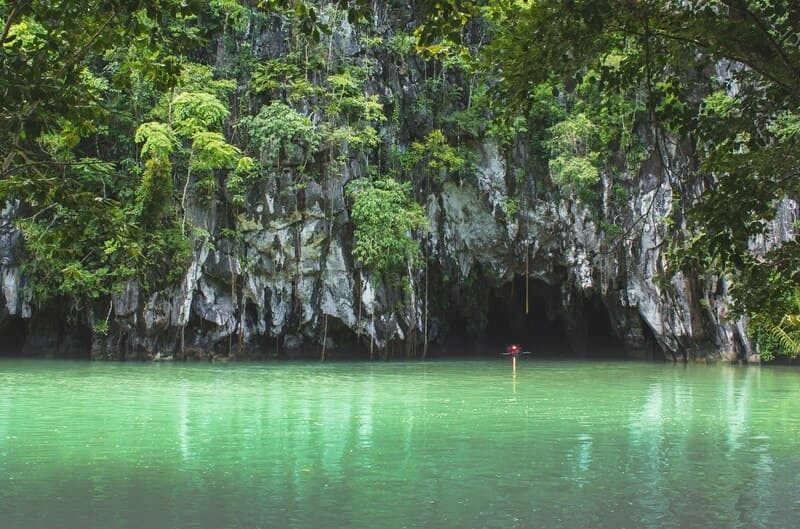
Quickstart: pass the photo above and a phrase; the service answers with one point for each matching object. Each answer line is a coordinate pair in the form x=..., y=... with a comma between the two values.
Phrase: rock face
x=290, y=286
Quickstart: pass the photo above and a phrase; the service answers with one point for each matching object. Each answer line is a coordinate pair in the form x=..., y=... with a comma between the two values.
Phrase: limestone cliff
x=525, y=266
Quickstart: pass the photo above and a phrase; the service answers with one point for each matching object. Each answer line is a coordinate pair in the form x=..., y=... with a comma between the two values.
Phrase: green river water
x=446, y=444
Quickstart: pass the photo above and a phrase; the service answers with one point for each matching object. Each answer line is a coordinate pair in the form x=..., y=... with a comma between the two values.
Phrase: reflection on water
x=442, y=444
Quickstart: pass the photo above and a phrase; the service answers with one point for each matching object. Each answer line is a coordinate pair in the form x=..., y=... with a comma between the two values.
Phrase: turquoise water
x=389, y=445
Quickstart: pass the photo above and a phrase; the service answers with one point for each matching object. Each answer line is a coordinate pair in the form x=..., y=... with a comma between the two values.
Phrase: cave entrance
x=13, y=333
x=594, y=335
x=537, y=331
x=547, y=330
x=52, y=338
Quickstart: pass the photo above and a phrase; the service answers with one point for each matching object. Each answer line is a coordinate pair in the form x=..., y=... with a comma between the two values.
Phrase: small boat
x=514, y=349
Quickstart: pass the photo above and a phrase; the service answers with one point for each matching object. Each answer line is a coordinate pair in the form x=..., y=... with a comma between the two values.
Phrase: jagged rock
x=223, y=263
x=126, y=302
x=337, y=287
x=470, y=232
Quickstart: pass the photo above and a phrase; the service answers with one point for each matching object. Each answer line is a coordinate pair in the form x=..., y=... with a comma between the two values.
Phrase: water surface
x=388, y=445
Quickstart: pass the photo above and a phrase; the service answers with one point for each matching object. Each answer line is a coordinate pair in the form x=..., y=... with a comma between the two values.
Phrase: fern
x=211, y=151
x=193, y=112
x=159, y=140
x=787, y=338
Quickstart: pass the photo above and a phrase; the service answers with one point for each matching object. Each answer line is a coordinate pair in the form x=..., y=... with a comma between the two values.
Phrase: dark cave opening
x=545, y=329
x=13, y=334
x=537, y=331
x=76, y=343
x=595, y=333
x=53, y=339
x=341, y=343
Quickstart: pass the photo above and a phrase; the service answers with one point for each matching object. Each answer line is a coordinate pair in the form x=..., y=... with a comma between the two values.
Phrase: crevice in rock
x=649, y=349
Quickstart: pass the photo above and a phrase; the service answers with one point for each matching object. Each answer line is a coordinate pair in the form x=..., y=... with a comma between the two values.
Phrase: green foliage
x=511, y=206
x=346, y=99
x=240, y=179
x=384, y=217
x=233, y=11
x=26, y=36
x=65, y=68
x=104, y=121
x=351, y=114
x=211, y=151
x=282, y=75
x=196, y=77
x=81, y=83
x=194, y=112
x=573, y=166
x=81, y=248
x=100, y=327
x=47, y=52
x=196, y=116
x=610, y=230
x=159, y=140
x=166, y=148
x=781, y=337
x=401, y=44
x=786, y=126
x=436, y=153
x=575, y=135
x=619, y=194
x=166, y=254
x=371, y=41
x=575, y=174
x=280, y=133
x=153, y=196
x=434, y=157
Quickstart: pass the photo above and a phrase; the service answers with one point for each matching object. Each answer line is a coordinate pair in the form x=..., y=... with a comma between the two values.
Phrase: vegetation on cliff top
x=110, y=112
